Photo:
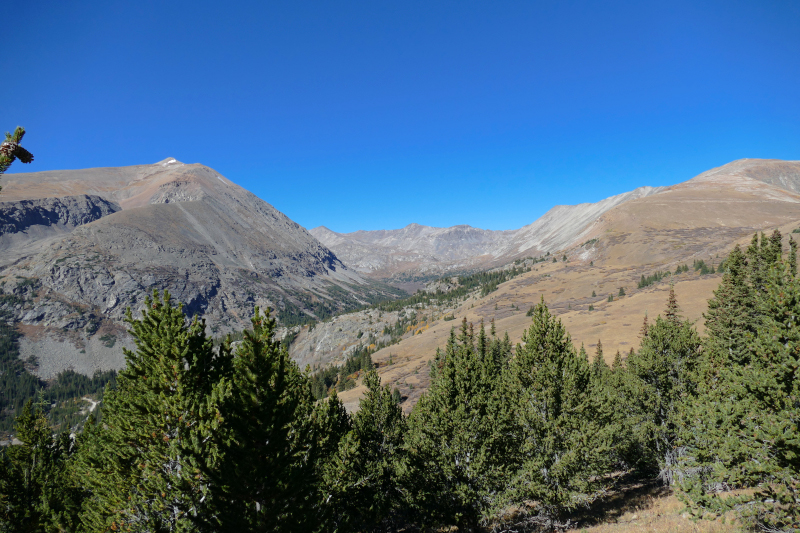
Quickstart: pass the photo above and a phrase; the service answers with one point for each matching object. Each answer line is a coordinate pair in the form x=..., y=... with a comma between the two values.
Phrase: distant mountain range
x=417, y=249
x=423, y=250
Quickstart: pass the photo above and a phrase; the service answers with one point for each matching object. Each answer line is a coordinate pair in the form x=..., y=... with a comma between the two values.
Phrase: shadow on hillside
x=629, y=495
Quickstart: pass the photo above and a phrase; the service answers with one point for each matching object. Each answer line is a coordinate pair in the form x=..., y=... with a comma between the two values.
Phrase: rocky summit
x=79, y=247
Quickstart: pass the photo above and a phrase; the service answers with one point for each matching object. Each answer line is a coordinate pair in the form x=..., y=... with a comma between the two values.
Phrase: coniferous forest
x=195, y=437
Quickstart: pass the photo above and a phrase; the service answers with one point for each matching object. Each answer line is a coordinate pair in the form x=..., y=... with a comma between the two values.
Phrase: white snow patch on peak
x=169, y=161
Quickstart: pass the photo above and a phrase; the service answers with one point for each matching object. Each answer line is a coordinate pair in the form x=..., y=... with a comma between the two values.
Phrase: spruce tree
x=732, y=314
x=454, y=463
x=360, y=489
x=743, y=429
x=672, y=311
x=37, y=492
x=561, y=441
x=599, y=366
x=658, y=377
x=272, y=438
x=150, y=465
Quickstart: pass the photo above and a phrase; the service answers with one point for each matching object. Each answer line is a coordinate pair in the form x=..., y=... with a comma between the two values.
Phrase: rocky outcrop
x=68, y=212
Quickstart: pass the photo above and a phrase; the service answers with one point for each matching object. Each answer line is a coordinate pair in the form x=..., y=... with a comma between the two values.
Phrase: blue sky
x=373, y=115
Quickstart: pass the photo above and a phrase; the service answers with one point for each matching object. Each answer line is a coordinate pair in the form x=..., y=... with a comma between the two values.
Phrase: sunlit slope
x=701, y=219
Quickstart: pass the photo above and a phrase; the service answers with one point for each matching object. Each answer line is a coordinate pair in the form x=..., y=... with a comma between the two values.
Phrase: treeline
x=18, y=385
x=341, y=377
x=698, y=265
x=290, y=315
x=485, y=281
x=201, y=439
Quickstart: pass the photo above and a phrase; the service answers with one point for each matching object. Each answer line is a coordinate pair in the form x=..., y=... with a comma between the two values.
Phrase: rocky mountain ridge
x=385, y=254
x=81, y=246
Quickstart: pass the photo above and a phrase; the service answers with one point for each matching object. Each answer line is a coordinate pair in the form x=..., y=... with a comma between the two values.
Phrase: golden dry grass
x=658, y=513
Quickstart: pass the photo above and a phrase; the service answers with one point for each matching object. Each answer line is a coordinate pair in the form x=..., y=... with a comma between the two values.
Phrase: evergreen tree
x=561, y=442
x=599, y=366
x=743, y=430
x=658, y=377
x=36, y=489
x=454, y=465
x=732, y=315
x=672, y=311
x=273, y=447
x=360, y=487
x=617, y=364
x=645, y=327
x=756, y=263
x=150, y=465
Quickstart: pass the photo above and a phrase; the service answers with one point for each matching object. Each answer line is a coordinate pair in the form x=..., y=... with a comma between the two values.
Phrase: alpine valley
x=81, y=246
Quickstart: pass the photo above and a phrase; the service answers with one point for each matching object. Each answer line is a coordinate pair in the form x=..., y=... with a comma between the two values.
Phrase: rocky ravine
x=81, y=246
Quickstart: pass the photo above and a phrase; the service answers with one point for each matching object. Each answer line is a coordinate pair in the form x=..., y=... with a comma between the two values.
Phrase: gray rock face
x=119, y=233
x=67, y=212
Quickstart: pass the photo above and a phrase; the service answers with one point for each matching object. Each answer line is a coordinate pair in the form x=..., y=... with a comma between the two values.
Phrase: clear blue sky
x=370, y=115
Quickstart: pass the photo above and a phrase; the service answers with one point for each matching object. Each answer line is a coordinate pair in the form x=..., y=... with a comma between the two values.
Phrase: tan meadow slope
x=701, y=219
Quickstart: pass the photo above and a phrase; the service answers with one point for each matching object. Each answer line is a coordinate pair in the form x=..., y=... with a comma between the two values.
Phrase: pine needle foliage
x=361, y=487
x=272, y=445
x=37, y=492
x=742, y=431
x=658, y=377
x=455, y=459
x=561, y=441
x=147, y=466
x=10, y=150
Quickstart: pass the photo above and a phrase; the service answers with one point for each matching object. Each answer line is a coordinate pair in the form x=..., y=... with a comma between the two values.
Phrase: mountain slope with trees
x=524, y=438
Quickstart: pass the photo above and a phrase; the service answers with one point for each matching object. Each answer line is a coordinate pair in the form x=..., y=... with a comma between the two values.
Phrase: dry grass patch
x=648, y=507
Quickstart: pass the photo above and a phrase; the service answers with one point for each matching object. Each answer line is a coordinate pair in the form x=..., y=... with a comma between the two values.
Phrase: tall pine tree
x=361, y=489
x=149, y=466
x=560, y=440
x=657, y=379
x=271, y=438
x=743, y=429
x=455, y=463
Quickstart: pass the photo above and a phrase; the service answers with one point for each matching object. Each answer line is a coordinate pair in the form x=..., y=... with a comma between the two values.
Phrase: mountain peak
x=170, y=161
